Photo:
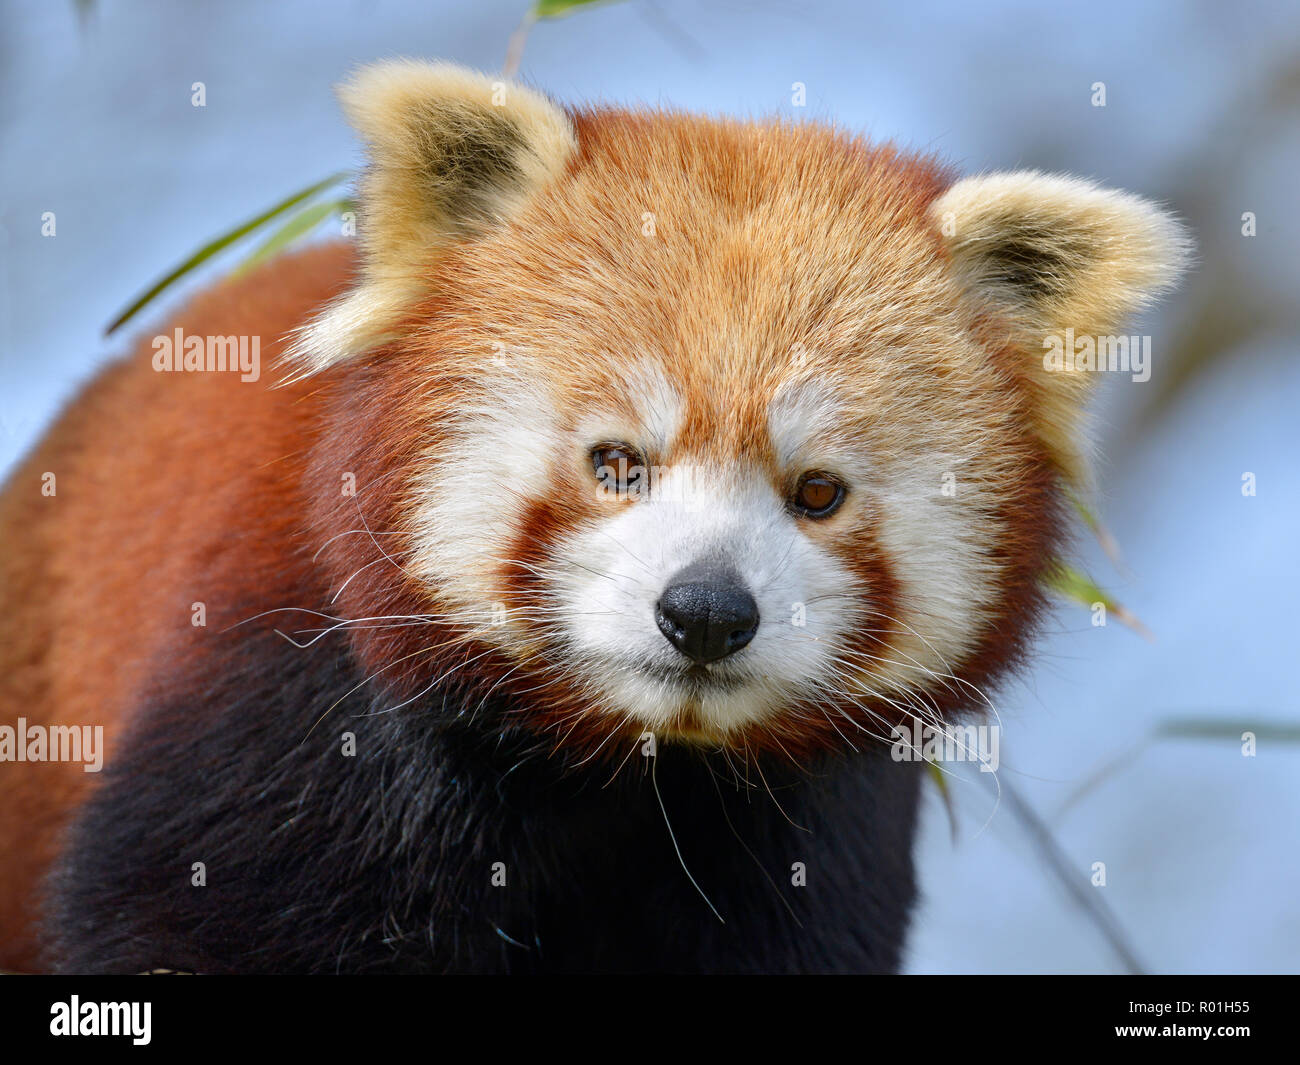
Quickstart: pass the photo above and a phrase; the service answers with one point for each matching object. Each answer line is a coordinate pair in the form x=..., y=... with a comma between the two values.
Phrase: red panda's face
x=731, y=432
x=783, y=502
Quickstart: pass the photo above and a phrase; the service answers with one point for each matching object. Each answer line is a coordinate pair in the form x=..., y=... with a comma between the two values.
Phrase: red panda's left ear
x=451, y=153
x=1047, y=254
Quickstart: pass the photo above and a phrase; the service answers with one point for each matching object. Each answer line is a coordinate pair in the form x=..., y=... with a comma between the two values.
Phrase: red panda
x=623, y=489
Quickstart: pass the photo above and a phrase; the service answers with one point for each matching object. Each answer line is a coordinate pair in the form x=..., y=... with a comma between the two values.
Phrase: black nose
x=707, y=613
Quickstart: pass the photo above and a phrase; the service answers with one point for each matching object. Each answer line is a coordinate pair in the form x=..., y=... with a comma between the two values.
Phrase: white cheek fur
x=940, y=548
x=466, y=512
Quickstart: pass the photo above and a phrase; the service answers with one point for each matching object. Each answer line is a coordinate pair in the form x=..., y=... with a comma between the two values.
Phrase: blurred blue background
x=1200, y=843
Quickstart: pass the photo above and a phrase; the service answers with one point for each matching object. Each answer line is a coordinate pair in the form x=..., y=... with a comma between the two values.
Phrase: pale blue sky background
x=1200, y=843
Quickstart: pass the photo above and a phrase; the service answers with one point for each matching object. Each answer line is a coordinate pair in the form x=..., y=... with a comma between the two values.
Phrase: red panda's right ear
x=451, y=153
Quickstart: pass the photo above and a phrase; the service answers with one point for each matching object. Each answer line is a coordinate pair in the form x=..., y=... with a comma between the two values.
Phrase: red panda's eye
x=818, y=496
x=617, y=466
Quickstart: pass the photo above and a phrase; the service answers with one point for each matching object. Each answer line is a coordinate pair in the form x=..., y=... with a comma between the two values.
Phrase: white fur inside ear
x=452, y=153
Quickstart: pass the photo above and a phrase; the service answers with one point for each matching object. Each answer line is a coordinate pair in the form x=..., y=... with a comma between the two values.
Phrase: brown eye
x=818, y=496
x=619, y=467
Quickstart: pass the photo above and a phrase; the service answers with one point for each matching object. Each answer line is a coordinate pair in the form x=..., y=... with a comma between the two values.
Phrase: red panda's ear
x=451, y=153
x=1049, y=254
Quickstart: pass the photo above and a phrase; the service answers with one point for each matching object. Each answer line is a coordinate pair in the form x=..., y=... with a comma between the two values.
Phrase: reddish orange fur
x=195, y=487
x=171, y=489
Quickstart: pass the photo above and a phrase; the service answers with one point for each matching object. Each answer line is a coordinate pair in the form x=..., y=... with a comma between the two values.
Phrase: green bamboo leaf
x=557, y=8
x=941, y=782
x=298, y=225
x=1093, y=521
x=1077, y=587
x=216, y=245
x=1227, y=729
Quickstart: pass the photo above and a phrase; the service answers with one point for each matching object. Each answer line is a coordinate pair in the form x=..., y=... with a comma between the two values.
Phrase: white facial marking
x=607, y=578
x=656, y=411
x=470, y=499
x=797, y=417
x=731, y=516
x=939, y=547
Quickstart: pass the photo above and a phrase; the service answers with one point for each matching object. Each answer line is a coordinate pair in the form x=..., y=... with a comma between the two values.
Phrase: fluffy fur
x=739, y=303
x=451, y=153
x=1044, y=253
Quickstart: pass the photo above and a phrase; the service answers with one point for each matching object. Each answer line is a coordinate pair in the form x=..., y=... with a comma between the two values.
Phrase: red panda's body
x=170, y=489
x=396, y=667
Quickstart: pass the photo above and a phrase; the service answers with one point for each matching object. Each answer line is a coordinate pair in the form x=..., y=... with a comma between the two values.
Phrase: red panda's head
x=729, y=431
